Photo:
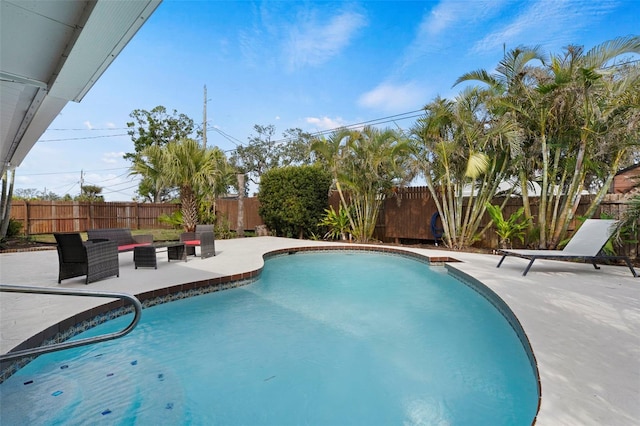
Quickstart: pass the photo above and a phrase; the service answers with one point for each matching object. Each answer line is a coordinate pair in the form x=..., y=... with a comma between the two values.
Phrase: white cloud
x=560, y=19
x=88, y=124
x=112, y=157
x=111, y=125
x=311, y=42
x=306, y=40
x=325, y=123
x=439, y=25
x=395, y=98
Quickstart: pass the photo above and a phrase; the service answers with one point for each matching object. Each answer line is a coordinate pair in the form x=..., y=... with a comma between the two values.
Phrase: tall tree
x=329, y=152
x=156, y=127
x=509, y=91
x=264, y=152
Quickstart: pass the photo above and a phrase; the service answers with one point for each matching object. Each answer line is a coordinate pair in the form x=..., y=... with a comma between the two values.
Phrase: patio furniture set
x=97, y=258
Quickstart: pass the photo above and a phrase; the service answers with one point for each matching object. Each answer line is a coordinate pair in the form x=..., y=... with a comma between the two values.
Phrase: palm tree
x=329, y=152
x=375, y=163
x=464, y=153
x=148, y=165
x=567, y=111
x=194, y=170
x=628, y=223
x=365, y=164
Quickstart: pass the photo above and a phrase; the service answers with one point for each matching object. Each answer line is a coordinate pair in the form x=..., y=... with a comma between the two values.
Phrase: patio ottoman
x=145, y=256
x=177, y=252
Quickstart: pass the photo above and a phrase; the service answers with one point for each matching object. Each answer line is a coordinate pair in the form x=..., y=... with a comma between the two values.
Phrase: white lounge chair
x=585, y=246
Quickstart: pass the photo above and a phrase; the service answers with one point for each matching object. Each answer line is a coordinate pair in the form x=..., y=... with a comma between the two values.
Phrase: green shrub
x=293, y=200
x=222, y=229
x=514, y=227
x=337, y=224
x=174, y=219
x=15, y=226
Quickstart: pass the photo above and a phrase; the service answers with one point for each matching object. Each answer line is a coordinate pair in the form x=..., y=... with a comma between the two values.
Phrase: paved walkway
x=583, y=324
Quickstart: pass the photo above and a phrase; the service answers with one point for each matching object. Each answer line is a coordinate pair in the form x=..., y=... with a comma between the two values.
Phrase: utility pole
x=81, y=181
x=204, y=120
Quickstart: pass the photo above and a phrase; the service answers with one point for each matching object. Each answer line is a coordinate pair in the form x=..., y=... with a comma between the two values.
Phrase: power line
x=83, y=138
x=92, y=129
x=227, y=136
x=74, y=171
x=385, y=120
x=102, y=185
x=375, y=121
x=117, y=177
x=110, y=191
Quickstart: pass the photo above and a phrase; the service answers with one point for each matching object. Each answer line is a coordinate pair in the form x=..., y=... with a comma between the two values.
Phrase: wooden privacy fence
x=46, y=217
x=405, y=217
x=227, y=211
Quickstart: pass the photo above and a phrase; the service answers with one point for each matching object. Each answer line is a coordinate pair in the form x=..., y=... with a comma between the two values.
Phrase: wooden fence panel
x=46, y=217
x=227, y=210
x=148, y=214
x=407, y=215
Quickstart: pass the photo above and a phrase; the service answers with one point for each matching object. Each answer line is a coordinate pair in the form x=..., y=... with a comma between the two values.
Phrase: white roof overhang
x=53, y=52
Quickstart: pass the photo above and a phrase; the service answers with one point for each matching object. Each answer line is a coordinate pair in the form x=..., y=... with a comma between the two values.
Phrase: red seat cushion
x=192, y=243
x=129, y=247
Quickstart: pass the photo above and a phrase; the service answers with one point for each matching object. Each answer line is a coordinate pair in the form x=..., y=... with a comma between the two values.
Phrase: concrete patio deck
x=583, y=324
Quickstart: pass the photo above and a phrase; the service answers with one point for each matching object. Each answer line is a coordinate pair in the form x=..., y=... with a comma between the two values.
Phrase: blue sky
x=306, y=64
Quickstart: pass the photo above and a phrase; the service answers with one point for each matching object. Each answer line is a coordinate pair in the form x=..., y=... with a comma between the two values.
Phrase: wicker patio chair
x=204, y=237
x=96, y=258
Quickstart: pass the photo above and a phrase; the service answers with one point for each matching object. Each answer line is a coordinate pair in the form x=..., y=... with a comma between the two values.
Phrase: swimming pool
x=320, y=338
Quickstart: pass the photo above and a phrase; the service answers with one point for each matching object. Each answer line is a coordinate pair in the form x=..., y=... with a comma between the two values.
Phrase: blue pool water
x=321, y=339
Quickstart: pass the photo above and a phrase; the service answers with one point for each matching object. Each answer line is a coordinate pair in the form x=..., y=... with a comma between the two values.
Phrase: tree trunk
x=542, y=209
x=189, y=209
x=240, y=226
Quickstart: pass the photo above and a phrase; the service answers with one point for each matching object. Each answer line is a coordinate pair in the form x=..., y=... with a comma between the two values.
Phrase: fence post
x=76, y=216
x=27, y=225
x=91, y=218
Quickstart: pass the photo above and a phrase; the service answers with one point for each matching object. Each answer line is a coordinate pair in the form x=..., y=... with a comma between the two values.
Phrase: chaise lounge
x=96, y=259
x=585, y=246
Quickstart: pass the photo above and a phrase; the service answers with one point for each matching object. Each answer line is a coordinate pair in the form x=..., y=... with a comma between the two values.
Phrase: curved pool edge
x=85, y=320
x=511, y=318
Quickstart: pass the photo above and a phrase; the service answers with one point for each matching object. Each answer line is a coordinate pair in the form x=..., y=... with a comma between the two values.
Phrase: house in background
x=626, y=180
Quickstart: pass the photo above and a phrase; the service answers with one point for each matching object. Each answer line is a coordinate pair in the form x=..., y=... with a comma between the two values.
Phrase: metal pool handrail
x=81, y=342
